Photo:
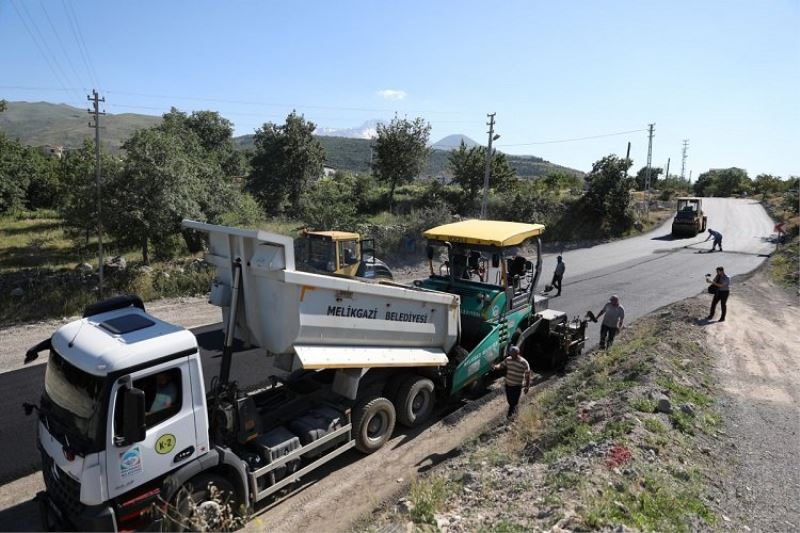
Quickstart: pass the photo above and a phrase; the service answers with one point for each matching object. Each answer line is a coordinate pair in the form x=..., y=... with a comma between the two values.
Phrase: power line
x=76, y=33
x=61, y=44
x=576, y=138
x=39, y=46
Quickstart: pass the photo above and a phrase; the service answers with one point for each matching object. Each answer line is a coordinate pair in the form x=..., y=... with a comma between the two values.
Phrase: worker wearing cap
x=612, y=322
x=518, y=378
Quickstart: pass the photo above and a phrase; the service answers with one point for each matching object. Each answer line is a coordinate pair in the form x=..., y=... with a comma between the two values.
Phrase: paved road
x=647, y=272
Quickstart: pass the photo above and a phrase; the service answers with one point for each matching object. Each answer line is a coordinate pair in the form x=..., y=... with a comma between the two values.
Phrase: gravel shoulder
x=757, y=350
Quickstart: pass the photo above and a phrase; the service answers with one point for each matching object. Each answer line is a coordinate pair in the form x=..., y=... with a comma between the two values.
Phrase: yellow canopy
x=485, y=232
x=335, y=235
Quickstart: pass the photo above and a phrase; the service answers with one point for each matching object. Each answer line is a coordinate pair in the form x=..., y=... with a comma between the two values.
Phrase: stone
x=116, y=263
x=469, y=478
x=688, y=408
x=663, y=405
x=442, y=522
x=145, y=269
x=404, y=506
x=84, y=268
x=17, y=292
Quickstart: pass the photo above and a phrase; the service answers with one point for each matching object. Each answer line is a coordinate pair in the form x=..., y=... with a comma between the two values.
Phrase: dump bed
x=325, y=321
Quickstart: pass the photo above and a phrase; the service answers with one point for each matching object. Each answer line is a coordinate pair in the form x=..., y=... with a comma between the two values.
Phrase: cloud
x=392, y=94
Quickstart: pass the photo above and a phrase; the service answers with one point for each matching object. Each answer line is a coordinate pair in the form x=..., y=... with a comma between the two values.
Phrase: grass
x=656, y=503
x=428, y=496
x=655, y=426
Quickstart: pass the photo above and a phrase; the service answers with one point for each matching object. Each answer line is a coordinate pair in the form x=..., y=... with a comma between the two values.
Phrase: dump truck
x=131, y=437
x=339, y=252
x=689, y=219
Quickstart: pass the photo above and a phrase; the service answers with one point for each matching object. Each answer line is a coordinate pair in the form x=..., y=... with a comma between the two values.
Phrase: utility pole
x=666, y=174
x=485, y=202
x=650, y=134
x=683, y=158
x=627, y=158
x=95, y=99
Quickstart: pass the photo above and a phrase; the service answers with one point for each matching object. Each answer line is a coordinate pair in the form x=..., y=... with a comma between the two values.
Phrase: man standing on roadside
x=518, y=378
x=717, y=239
x=722, y=289
x=612, y=322
x=558, y=275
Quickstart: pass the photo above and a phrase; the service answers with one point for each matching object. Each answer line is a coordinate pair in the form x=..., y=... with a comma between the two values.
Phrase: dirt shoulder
x=188, y=312
x=685, y=425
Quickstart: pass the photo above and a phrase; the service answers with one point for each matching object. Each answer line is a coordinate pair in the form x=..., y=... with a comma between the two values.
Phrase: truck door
x=170, y=439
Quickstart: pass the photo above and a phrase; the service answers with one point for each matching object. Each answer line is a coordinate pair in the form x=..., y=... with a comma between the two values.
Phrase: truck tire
x=414, y=401
x=195, y=509
x=373, y=424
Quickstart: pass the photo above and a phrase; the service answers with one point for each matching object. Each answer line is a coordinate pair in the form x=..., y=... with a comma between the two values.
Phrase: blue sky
x=725, y=75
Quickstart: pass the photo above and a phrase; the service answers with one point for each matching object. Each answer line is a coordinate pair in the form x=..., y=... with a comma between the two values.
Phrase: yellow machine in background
x=339, y=252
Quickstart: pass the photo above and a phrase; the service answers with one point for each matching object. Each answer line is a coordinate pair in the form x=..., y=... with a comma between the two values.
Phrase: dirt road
x=758, y=349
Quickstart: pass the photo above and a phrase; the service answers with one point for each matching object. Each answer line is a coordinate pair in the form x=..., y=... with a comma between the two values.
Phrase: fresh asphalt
x=647, y=272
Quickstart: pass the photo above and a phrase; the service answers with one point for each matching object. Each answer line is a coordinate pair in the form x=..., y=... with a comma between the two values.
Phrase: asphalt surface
x=647, y=272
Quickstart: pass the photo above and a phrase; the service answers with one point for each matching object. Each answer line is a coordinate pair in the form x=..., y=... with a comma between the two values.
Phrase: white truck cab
x=104, y=372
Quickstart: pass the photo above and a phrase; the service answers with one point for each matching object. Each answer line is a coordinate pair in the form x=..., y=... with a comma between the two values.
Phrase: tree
x=19, y=166
x=286, y=157
x=555, y=181
x=469, y=167
x=401, y=150
x=723, y=182
x=168, y=176
x=765, y=184
x=329, y=203
x=609, y=194
x=641, y=177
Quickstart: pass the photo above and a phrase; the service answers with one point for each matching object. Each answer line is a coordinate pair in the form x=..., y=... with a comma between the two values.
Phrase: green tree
x=765, y=184
x=401, y=150
x=469, y=167
x=723, y=182
x=555, y=181
x=641, y=178
x=77, y=192
x=329, y=203
x=609, y=194
x=19, y=166
x=286, y=157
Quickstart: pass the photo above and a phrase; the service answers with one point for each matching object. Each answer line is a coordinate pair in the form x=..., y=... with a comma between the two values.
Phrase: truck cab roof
x=120, y=339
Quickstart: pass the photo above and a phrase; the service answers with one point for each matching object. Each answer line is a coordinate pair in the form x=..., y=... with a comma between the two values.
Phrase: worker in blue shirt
x=717, y=236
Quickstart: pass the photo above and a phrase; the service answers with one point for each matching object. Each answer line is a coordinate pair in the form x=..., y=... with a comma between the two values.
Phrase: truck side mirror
x=133, y=422
x=495, y=260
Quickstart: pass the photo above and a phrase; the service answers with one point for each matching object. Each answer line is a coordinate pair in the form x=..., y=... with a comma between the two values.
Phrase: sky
x=723, y=74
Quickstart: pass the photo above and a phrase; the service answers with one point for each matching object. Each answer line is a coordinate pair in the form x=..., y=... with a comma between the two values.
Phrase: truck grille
x=65, y=491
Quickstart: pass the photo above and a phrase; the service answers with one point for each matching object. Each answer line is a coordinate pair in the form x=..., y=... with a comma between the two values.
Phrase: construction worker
x=717, y=236
x=518, y=378
x=558, y=275
x=722, y=289
x=612, y=322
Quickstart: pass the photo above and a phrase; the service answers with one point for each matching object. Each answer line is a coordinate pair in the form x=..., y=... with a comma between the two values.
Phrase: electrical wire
x=576, y=138
x=78, y=36
x=61, y=45
x=39, y=46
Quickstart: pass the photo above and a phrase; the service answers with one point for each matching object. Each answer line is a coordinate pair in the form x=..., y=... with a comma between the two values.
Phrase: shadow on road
x=21, y=517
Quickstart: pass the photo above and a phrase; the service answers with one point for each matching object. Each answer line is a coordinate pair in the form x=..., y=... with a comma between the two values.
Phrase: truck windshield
x=75, y=398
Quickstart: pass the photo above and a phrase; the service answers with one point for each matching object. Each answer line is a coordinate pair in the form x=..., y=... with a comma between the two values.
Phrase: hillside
x=354, y=155
x=40, y=123
x=452, y=142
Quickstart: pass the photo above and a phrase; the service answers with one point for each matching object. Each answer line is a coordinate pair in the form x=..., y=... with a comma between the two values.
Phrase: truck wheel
x=199, y=507
x=415, y=401
x=373, y=424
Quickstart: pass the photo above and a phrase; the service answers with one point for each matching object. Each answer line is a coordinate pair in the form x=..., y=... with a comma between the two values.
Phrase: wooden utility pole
x=650, y=128
x=95, y=112
x=485, y=202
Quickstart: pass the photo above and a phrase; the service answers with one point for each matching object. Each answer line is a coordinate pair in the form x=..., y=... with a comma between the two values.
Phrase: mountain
x=452, y=142
x=41, y=123
x=368, y=130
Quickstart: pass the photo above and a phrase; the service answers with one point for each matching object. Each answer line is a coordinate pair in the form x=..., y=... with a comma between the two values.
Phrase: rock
x=116, y=263
x=404, y=506
x=441, y=522
x=145, y=269
x=663, y=405
x=688, y=408
x=469, y=478
x=544, y=513
x=17, y=292
x=84, y=268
